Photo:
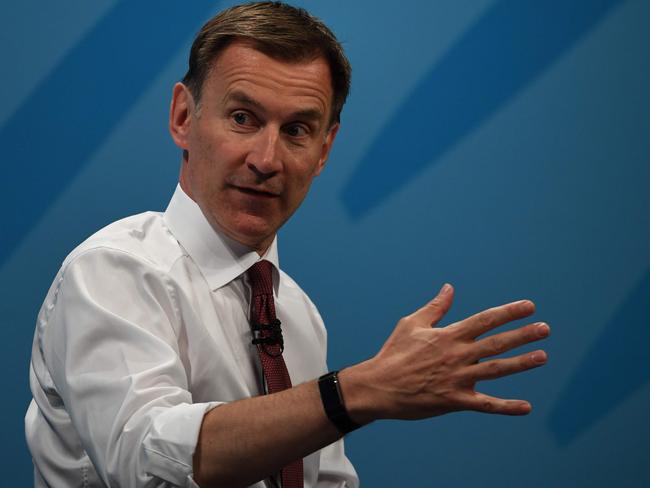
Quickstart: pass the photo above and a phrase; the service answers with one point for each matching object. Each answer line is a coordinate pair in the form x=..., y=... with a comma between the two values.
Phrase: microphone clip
x=268, y=335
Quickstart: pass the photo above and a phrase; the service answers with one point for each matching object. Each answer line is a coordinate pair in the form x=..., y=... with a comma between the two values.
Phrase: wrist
x=355, y=384
x=334, y=404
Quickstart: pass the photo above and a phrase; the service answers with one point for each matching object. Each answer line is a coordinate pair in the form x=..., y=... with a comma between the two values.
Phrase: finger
x=505, y=341
x=487, y=320
x=436, y=309
x=497, y=368
x=480, y=402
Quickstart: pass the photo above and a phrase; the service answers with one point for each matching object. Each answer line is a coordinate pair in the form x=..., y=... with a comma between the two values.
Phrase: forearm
x=249, y=440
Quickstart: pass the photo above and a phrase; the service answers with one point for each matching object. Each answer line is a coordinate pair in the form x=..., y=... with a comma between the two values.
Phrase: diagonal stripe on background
x=74, y=109
x=508, y=47
x=616, y=366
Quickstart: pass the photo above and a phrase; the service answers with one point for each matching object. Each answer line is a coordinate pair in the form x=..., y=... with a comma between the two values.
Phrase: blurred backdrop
x=500, y=145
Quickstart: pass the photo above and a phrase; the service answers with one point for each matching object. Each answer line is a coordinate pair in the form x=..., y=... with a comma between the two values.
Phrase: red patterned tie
x=268, y=338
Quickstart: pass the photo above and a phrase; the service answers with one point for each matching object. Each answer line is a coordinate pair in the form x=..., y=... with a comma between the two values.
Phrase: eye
x=241, y=118
x=296, y=130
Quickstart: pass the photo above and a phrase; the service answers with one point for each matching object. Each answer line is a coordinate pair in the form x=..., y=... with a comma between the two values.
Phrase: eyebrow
x=243, y=98
x=312, y=114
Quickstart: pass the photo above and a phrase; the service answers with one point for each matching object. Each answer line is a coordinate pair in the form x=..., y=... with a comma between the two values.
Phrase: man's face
x=259, y=137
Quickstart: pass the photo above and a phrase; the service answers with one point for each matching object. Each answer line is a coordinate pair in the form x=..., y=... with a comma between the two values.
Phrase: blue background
x=500, y=145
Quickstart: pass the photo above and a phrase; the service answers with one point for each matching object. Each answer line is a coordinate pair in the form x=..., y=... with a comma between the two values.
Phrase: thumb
x=436, y=309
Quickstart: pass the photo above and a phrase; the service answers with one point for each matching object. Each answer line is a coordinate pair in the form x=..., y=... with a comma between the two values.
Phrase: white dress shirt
x=144, y=329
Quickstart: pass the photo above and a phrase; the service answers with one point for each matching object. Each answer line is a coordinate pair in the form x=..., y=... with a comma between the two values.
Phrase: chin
x=252, y=231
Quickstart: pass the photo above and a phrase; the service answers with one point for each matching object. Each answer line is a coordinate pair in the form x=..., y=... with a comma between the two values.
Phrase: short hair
x=278, y=30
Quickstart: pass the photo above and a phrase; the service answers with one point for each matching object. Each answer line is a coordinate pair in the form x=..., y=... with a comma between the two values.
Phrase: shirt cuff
x=171, y=441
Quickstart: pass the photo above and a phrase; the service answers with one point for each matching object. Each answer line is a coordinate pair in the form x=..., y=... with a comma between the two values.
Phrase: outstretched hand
x=423, y=370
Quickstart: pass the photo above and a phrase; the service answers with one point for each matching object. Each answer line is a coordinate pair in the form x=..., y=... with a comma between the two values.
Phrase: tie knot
x=261, y=277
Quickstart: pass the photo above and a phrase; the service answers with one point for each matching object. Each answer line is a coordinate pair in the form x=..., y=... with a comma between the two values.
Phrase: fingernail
x=445, y=288
x=543, y=329
x=539, y=357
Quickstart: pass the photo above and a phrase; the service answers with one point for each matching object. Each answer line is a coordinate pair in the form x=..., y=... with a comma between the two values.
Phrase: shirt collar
x=219, y=258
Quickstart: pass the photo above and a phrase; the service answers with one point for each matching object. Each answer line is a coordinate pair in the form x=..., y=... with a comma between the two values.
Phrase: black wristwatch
x=330, y=394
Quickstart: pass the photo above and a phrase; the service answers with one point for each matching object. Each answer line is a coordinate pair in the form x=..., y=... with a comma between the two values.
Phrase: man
x=161, y=333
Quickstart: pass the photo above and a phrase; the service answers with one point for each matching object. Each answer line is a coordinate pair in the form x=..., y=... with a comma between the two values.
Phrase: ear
x=327, y=146
x=180, y=115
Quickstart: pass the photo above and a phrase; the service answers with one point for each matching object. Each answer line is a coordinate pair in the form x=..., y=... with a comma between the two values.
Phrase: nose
x=264, y=156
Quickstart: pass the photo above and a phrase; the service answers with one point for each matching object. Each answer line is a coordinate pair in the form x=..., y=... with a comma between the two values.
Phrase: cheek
x=213, y=160
x=302, y=181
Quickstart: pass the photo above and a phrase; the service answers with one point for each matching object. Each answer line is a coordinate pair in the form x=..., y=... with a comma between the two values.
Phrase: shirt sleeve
x=110, y=344
x=336, y=470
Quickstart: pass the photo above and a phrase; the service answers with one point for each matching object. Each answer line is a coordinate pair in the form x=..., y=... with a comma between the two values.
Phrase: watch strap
x=330, y=393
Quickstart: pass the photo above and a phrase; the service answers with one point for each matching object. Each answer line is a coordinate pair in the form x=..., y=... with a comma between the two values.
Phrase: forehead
x=242, y=68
